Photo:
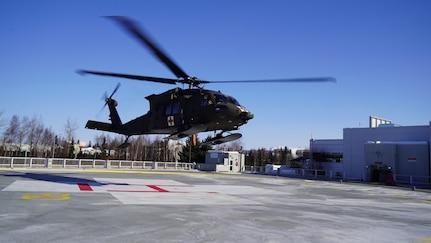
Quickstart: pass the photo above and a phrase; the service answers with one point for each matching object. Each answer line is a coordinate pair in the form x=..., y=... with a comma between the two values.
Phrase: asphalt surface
x=132, y=206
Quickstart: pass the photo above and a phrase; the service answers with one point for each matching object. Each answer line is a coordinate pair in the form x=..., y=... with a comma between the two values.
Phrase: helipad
x=147, y=191
x=65, y=206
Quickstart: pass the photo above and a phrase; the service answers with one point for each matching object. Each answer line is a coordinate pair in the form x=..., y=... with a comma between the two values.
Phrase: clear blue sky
x=379, y=52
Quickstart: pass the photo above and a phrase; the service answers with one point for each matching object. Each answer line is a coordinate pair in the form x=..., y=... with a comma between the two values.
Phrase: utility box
x=223, y=161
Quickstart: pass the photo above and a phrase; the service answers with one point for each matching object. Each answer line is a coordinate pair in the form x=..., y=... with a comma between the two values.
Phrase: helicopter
x=179, y=112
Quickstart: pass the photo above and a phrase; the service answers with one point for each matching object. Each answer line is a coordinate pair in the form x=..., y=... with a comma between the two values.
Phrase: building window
x=328, y=157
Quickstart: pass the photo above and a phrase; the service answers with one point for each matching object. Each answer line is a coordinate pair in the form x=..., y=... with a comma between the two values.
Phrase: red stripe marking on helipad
x=84, y=187
x=157, y=188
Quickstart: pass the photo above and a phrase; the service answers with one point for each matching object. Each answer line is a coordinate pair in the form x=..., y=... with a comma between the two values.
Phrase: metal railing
x=400, y=179
x=31, y=162
x=412, y=180
x=297, y=172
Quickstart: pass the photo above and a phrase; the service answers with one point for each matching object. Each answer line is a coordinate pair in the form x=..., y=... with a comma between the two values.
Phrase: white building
x=405, y=150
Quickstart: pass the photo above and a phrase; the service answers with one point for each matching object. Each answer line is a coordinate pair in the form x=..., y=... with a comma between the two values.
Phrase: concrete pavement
x=43, y=205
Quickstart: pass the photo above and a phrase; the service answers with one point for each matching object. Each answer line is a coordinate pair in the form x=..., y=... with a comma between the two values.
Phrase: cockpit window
x=220, y=98
x=206, y=100
x=226, y=99
x=234, y=101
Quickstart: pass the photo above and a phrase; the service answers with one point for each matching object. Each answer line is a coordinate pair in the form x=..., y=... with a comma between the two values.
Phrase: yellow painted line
x=401, y=196
x=46, y=196
x=376, y=183
x=309, y=181
x=423, y=240
x=429, y=202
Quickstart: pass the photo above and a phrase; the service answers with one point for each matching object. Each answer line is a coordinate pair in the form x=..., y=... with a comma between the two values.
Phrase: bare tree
x=22, y=130
x=135, y=150
x=39, y=135
x=98, y=141
x=12, y=131
x=35, y=130
x=16, y=132
x=146, y=143
x=70, y=129
x=46, y=139
x=2, y=124
x=2, y=120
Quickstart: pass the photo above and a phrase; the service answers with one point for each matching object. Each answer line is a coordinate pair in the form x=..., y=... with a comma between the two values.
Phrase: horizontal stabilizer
x=103, y=126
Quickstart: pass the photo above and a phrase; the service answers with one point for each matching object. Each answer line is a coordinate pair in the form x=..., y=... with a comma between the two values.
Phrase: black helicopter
x=180, y=112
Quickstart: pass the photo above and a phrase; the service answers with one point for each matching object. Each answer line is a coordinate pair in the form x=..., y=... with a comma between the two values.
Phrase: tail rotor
x=109, y=99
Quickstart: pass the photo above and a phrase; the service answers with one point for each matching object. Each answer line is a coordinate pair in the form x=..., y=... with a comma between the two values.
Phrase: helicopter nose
x=248, y=115
x=245, y=114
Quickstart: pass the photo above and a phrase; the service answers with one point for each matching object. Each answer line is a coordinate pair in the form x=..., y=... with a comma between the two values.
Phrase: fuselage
x=180, y=112
x=181, y=109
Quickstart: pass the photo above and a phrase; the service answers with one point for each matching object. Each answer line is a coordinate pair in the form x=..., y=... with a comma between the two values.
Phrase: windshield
x=220, y=98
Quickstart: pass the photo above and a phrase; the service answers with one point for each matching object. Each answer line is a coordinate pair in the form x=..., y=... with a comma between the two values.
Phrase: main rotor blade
x=138, y=33
x=135, y=77
x=293, y=80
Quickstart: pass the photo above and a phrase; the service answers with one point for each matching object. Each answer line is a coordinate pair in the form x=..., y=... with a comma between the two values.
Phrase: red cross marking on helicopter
x=171, y=121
